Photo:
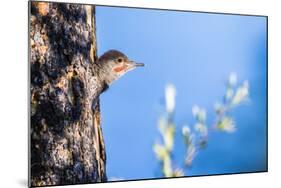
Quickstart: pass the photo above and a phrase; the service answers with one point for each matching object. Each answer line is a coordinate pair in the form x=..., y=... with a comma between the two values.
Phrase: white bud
x=185, y=130
x=202, y=115
x=227, y=124
x=195, y=110
x=201, y=128
x=242, y=93
x=170, y=95
x=232, y=80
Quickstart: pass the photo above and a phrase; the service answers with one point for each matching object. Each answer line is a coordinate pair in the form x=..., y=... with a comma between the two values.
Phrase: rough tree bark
x=66, y=140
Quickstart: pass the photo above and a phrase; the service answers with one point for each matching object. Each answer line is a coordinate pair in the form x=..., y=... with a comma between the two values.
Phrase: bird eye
x=119, y=60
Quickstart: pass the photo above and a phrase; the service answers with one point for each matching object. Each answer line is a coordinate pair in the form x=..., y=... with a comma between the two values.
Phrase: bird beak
x=137, y=64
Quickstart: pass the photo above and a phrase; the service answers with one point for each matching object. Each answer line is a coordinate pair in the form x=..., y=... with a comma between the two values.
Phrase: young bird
x=112, y=65
x=109, y=67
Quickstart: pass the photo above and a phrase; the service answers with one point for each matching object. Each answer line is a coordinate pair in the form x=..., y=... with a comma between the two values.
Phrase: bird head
x=115, y=64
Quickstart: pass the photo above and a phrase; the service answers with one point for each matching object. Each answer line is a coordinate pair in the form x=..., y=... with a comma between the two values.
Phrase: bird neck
x=105, y=76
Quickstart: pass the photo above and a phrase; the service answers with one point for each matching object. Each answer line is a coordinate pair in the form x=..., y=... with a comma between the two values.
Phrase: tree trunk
x=66, y=143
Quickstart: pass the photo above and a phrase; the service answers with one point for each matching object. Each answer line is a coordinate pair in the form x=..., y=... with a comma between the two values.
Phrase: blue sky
x=196, y=52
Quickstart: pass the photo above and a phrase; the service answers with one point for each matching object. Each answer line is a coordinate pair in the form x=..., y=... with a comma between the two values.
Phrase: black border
x=178, y=10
